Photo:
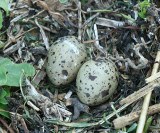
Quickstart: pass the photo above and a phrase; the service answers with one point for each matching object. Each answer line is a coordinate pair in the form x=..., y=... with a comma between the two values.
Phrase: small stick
x=79, y=21
x=43, y=27
x=24, y=126
x=45, y=39
x=96, y=43
x=132, y=117
x=90, y=19
x=5, y=124
x=147, y=98
x=140, y=93
x=153, y=77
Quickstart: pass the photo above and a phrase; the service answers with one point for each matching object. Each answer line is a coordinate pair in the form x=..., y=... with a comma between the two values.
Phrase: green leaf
x=83, y=2
x=5, y=61
x=2, y=93
x=14, y=71
x=7, y=89
x=143, y=8
x=3, y=101
x=3, y=77
x=132, y=128
x=1, y=20
x=63, y=1
x=4, y=5
x=6, y=114
x=147, y=124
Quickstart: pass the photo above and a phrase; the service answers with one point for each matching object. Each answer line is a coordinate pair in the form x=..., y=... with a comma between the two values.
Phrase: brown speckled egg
x=96, y=81
x=65, y=57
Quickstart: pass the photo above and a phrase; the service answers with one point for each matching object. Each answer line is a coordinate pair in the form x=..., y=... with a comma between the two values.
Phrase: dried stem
x=147, y=98
x=50, y=109
x=79, y=22
x=132, y=117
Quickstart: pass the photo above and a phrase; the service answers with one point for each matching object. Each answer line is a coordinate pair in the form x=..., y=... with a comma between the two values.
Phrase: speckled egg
x=96, y=81
x=65, y=57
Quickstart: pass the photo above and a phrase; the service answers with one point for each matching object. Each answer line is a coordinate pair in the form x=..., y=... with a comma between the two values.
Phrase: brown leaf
x=56, y=6
x=53, y=7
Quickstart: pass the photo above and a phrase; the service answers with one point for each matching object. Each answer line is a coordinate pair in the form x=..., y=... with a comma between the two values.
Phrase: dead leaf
x=78, y=107
x=54, y=8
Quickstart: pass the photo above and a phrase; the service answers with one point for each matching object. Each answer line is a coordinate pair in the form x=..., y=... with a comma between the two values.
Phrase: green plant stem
x=118, y=14
x=125, y=16
x=115, y=110
x=148, y=123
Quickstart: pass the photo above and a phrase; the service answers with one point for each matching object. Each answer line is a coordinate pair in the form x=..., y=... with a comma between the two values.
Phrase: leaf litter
x=127, y=32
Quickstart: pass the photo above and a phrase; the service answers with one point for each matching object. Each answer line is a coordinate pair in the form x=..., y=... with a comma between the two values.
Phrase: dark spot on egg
x=63, y=61
x=87, y=94
x=53, y=62
x=92, y=77
x=87, y=89
x=109, y=85
x=106, y=71
x=80, y=81
x=53, y=53
x=104, y=93
x=82, y=62
x=64, y=72
x=80, y=88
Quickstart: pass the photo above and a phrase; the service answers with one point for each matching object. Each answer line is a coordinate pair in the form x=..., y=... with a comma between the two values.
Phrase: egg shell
x=65, y=57
x=96, y=81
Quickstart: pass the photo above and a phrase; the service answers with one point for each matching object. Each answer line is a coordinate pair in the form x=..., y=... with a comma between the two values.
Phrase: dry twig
x=132, y=117
x=147, y=98
x=79, y=22
x=140, y=93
